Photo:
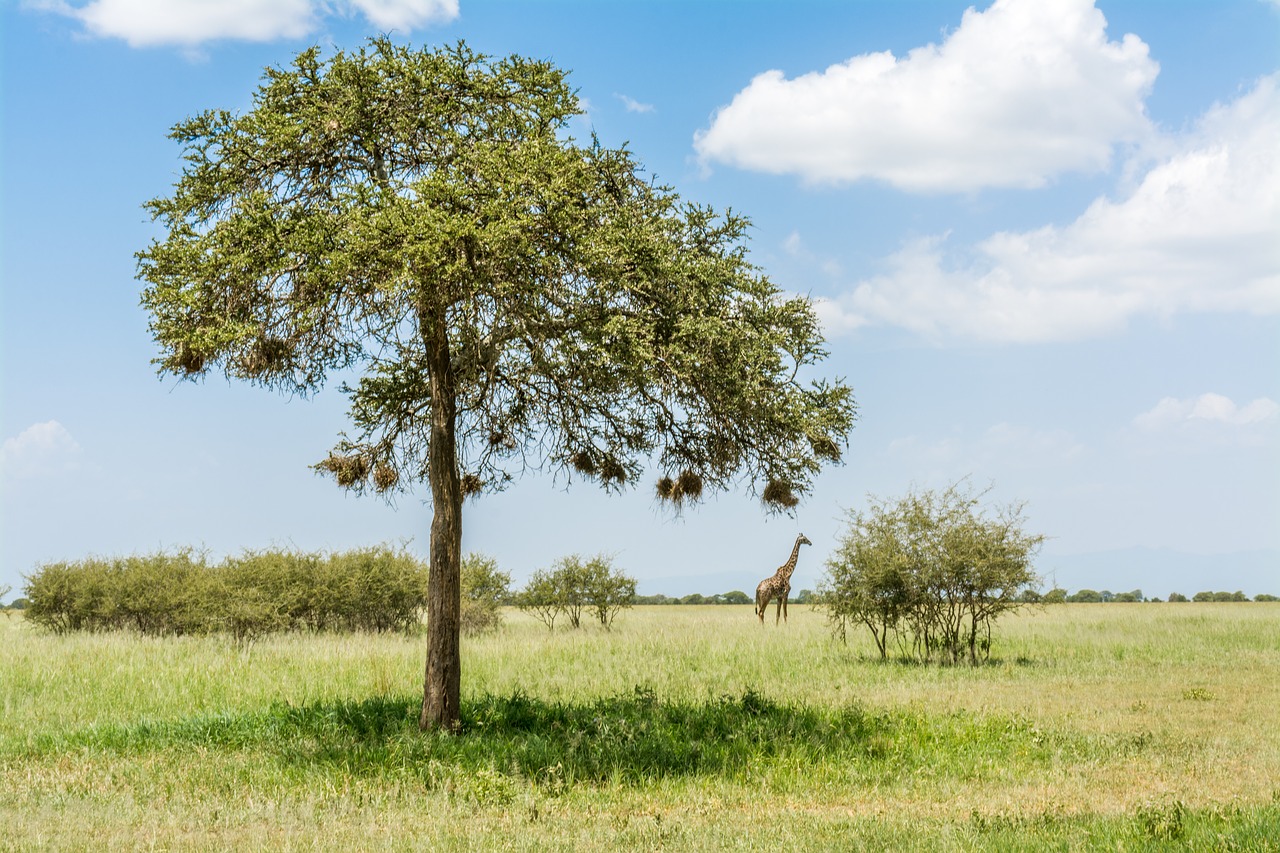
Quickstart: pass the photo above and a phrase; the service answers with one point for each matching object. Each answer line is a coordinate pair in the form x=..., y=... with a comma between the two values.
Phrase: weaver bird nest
x=686, y=487
x=779, y=494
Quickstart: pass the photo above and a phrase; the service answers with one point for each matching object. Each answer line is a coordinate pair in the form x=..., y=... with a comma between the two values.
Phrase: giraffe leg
x=782, y=600
x=785, y=596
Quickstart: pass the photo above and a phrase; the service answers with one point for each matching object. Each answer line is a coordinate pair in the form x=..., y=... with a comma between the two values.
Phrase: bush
x=541, y=598
x=1219, y=596
x=930, y=572
x=484, y=590
x=256, y=593
x=609, y=591
x=1177, y=596
x=1260, y=597
x=574, y=586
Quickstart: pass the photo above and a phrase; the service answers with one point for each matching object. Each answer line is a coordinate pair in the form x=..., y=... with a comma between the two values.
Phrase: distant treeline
x=372, y=589
x=1092, y=596
x=737, y=596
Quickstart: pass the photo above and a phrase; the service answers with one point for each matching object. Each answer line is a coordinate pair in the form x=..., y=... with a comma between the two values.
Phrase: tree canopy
x=508, y=298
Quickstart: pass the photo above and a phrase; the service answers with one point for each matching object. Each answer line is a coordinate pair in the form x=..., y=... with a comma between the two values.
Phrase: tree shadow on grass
x=627, y=738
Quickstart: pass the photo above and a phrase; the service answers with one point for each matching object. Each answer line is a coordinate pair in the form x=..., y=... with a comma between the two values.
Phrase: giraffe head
x=803, y=540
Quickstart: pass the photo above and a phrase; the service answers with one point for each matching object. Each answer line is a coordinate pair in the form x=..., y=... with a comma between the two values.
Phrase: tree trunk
x=442, y=685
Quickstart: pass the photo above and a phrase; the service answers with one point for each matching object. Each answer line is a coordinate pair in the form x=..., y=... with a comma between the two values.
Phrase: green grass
x=1097, y=727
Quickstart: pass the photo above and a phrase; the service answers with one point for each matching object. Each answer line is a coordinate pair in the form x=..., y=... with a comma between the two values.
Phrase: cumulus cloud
x=1196, y=234
x=406, y=14
x=1019, y=93
x=187, y=23
x=1207, y=408
x=39, y=450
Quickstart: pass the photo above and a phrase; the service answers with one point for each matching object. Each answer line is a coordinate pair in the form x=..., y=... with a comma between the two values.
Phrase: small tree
x=541, y=598
x=508, y=298
x=933, y=568
x=1177, y=596
x=484, y=591
x=736, y=596
x=609, y=590
x=572, y=578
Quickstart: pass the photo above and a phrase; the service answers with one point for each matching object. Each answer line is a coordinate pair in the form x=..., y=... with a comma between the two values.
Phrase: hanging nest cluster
x=349, y=470
x=267, y=355
x=501, y=440
x=583, y=463
x=779, y=494
x=186, y=359
x=612, y=471
x=385, y=477
x=471, y=485
x=686, y=487
x=608, y=469
x=825, y=448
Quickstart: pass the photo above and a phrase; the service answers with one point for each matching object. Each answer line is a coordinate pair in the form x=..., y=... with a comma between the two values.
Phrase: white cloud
x=406, y=14
x=634, y=106
x=149, y=23
x=1197, y=234
x=39, y=450
x=1019, y=93
x=1208, y=408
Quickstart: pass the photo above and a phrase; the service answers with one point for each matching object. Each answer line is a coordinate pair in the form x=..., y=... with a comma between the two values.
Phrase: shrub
x=573, y=586
x=1177, y=596
x=931, y=571
x=541, y=598
x=484, y=590
x=256, y=593
x=609, y=591
x=1260, y=597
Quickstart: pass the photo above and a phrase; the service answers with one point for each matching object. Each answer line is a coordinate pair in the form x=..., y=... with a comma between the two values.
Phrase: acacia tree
x=510, y=299
x=932, y=569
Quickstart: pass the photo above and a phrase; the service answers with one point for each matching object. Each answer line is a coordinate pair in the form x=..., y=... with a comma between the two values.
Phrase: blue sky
x=1041, y=235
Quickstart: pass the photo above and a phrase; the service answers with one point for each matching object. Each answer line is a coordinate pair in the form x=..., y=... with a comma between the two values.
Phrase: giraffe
x=779, y=585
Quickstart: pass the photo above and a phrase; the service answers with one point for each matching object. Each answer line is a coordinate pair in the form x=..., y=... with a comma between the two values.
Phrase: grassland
x=1150, y=726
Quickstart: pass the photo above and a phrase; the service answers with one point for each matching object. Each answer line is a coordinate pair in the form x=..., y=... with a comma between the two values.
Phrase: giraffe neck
x=790, y=565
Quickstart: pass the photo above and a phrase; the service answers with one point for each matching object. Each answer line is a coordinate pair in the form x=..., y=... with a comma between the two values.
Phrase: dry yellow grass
x=1091, y=719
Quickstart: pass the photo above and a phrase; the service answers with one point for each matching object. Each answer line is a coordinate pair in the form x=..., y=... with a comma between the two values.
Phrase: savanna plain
x=1113, y=726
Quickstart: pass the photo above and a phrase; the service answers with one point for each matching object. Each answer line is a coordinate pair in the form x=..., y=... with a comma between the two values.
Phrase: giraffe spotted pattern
x=779, y=585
